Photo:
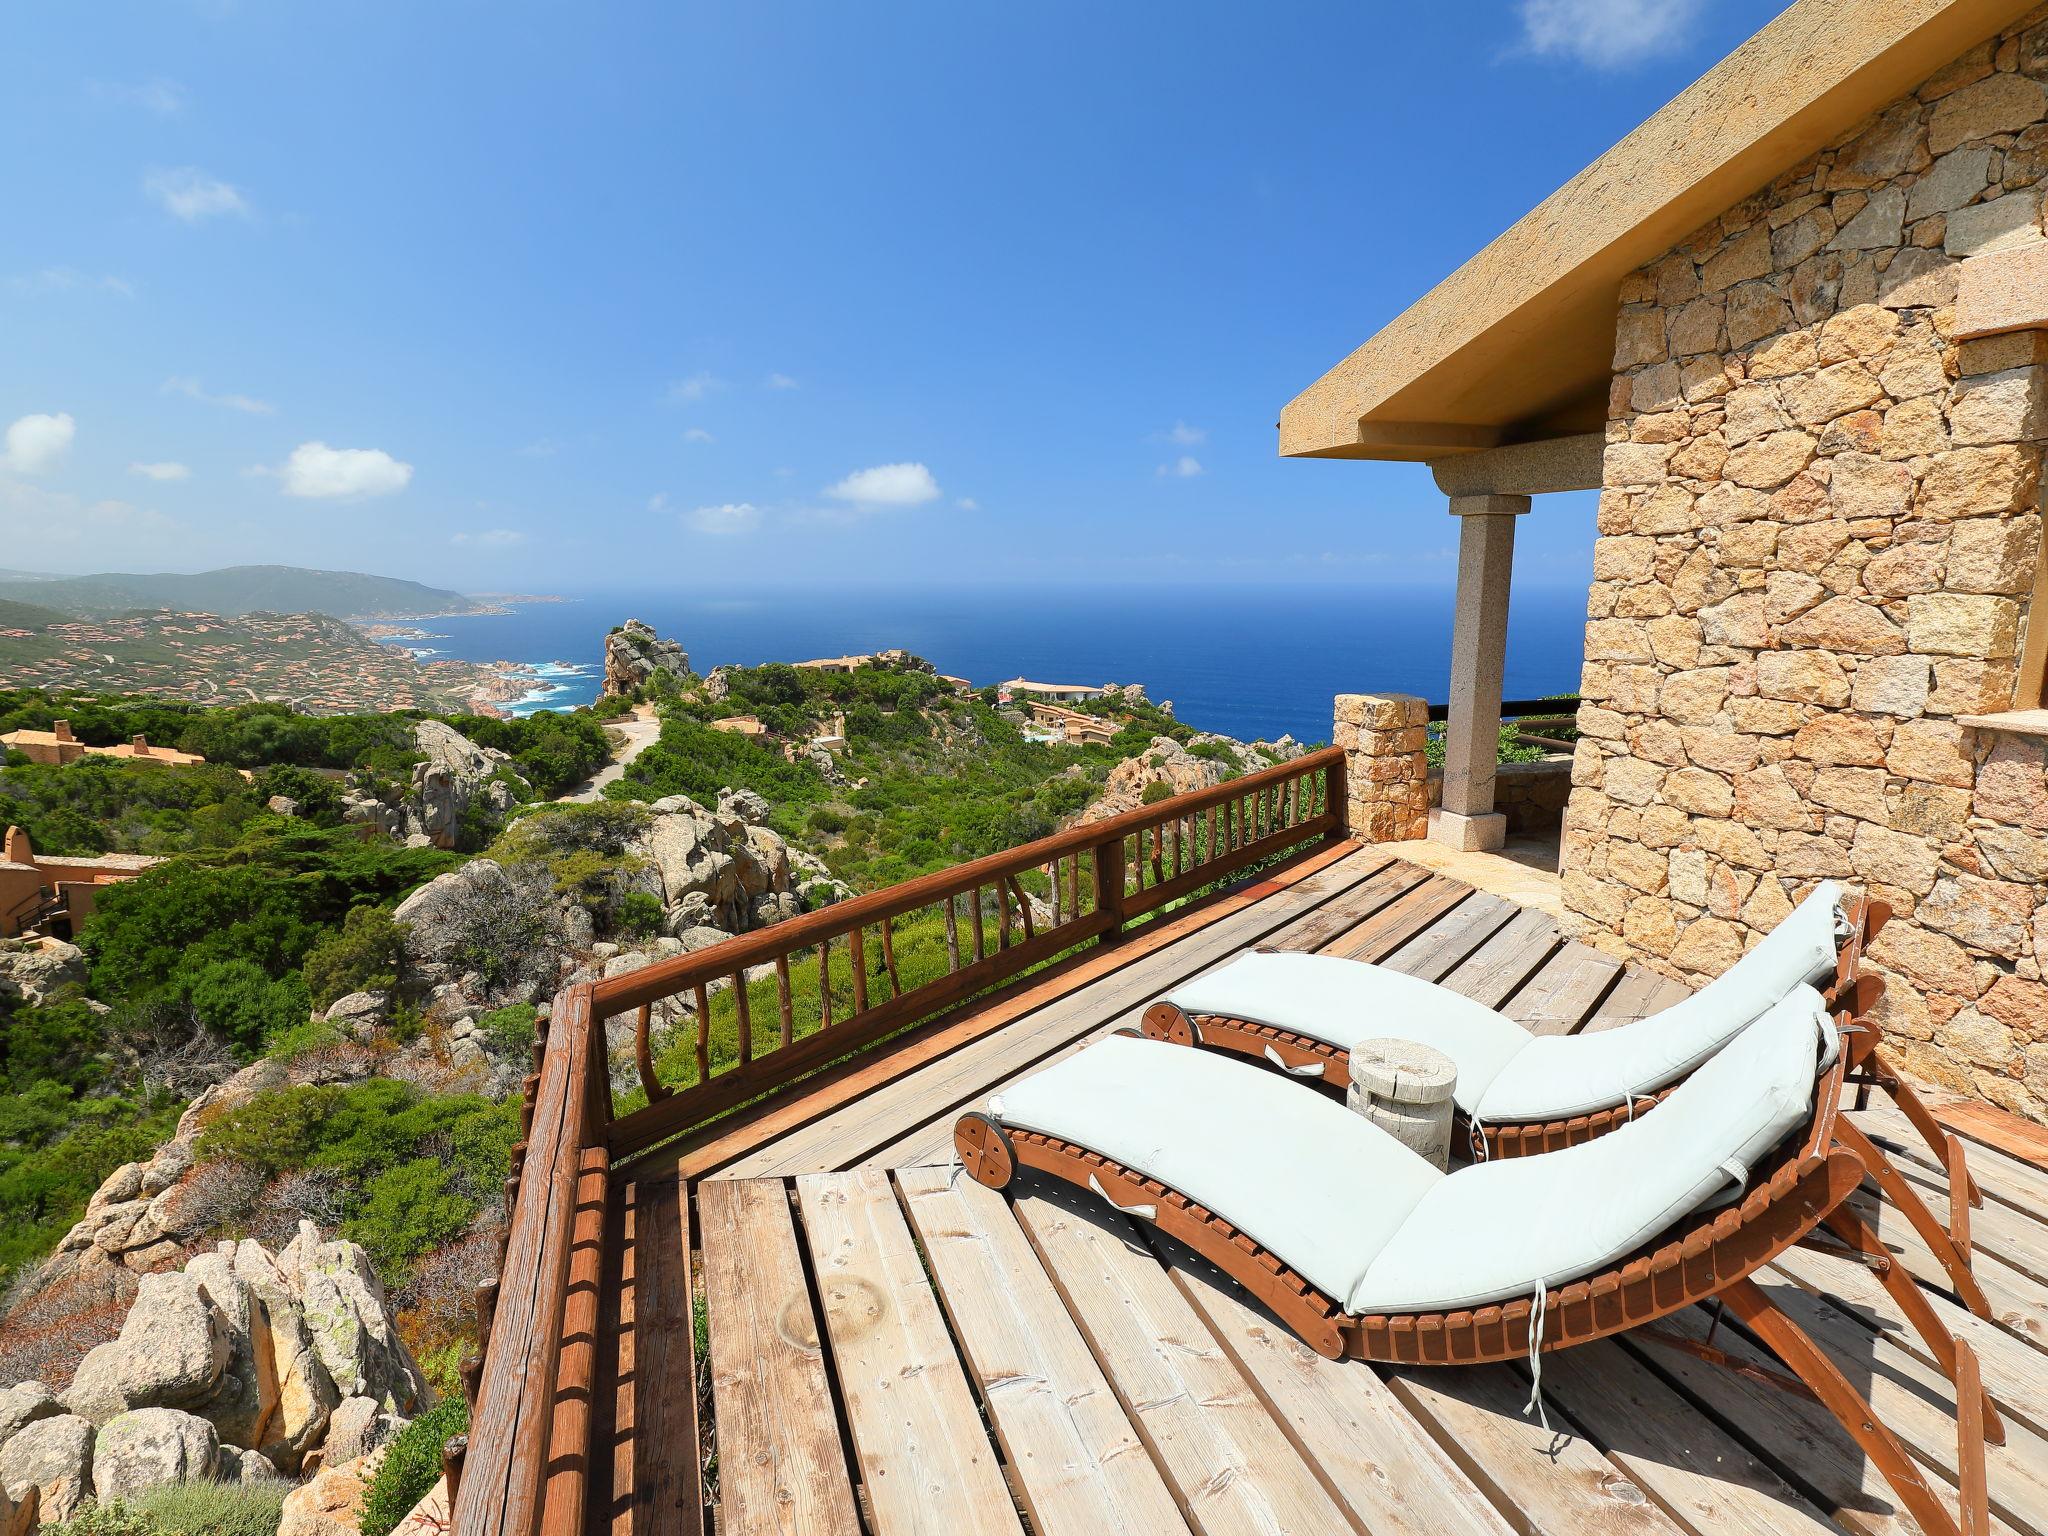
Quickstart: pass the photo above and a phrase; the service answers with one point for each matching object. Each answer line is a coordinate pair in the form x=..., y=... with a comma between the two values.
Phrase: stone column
x=1479, y=637
x=1386, y=773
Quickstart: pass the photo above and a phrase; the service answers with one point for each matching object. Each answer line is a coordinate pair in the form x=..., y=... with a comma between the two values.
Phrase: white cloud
x=1606, y=34
x=689, y=391
x=733, y=517
x=887, y=485
x=186, y=385
x=188, y=193
x=69, y=280
x=968, y=504
x=489, y=538
x=697, y=435
x=778, y=381
x=343, y=474
x=1186, y=467
x=165, y=98
x=36, y=444
x=1181, y=435
x=164, y=469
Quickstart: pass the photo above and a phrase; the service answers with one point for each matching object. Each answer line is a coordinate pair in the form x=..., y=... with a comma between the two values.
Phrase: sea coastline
x=1247, y=662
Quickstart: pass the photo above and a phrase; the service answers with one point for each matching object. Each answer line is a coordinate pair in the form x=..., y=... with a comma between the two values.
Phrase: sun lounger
x=1519, y=1093
x=1367, y=1251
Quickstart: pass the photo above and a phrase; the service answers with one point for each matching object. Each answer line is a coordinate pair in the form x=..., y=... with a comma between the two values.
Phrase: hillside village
x=259, y=1070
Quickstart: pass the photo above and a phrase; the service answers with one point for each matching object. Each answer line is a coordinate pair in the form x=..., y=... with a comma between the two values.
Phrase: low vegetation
x=411, y=1466
x=191, y=1509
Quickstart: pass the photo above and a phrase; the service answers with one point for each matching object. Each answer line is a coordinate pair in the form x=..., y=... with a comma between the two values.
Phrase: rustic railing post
x=1109, y=888
x=1337, y=799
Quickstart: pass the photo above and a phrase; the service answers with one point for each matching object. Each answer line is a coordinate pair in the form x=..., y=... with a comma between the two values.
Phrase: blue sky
x=522, y=296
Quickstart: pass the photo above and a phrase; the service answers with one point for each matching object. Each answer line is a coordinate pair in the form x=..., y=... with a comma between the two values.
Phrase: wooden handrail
x=1140, y=861
x=504, y=1471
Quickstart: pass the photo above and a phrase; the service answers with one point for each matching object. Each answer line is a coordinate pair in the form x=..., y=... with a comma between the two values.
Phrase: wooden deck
x=894, y=1348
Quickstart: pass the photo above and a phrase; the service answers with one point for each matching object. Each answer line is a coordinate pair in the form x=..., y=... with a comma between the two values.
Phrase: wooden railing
x=832, y=981
x=795, y=997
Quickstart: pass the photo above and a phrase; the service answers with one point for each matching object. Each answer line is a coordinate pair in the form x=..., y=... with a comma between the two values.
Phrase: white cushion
x=1342, y=1002
x=1313, y=1182
x=1493, y=1231
x=1563, y=1075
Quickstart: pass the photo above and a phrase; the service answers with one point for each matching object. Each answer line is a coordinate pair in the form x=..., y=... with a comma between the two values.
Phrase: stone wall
x=1386, y=775
x=1818, y=531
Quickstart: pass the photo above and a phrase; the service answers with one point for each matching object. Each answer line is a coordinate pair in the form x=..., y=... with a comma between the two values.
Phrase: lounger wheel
x=1163, y=1021
x=985, y=1151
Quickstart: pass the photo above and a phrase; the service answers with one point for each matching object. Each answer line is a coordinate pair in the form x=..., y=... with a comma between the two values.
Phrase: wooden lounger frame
x=1805, y=1186
x=1303, y=1056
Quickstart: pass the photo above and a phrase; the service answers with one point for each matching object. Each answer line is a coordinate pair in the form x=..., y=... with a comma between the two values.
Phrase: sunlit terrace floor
x=896, y=1350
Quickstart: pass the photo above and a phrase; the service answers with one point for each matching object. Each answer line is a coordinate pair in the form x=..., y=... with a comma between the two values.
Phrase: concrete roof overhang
x=1517, y=344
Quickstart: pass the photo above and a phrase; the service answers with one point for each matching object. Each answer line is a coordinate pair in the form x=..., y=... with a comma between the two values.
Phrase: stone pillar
x=1479, y=638
x=1386, y=773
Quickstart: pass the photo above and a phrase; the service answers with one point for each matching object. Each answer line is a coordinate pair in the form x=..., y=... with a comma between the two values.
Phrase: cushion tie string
x=1629, y=1098
x=1478, y=1140
x=1142, y=1212
x=1308, y=1069
x=1538, y=1307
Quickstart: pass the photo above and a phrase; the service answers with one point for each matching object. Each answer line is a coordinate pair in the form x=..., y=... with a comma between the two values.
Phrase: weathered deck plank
x=1447, y=943
x=1798, y=1437
x=1559, y=996
x=1500, y=965
x=1557, y=1480
x=925, y=1461
x=657, y=1491
x=1080, y=1465
x=781, y=1468
x=1229, y=1463
x=1368, y=1448
x=1688, y=1464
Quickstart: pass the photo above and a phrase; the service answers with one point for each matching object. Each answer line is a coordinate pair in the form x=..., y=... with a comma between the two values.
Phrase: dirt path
x=640, y=733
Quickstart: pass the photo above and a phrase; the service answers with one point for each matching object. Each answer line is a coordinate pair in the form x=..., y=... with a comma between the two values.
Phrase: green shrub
x=362, y=957
x=412, y=1466
x=826, y=820
x=1155, y=792
x=639, y=913
x=511, y=1029
x=407, y=1211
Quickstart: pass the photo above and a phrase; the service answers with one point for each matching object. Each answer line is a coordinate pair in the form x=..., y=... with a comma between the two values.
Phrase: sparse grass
x=190, y=1509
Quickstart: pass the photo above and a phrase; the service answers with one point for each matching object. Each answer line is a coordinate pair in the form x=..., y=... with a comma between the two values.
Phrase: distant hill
x=239, y=590
x=15, y=615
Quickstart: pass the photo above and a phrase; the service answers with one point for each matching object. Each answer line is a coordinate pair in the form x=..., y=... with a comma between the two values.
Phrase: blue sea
x=1251, y=662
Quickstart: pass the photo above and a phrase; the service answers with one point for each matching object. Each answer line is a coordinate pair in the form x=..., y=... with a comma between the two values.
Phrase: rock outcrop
x=145, y=1216
x=1168, y=763
x=456, y=780
x=32, y=971
x=634, y=656
x=151, y=1448
x=242, y=1365
x=54, y=1458
x=332, y=1503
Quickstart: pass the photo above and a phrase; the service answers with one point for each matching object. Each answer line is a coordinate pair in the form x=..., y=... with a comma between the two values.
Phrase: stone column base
x=1471, y=834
